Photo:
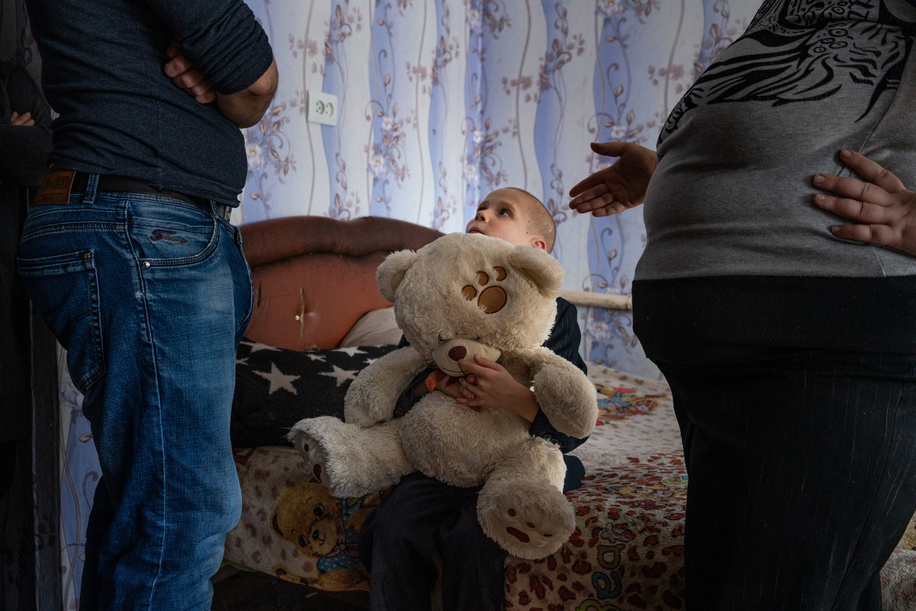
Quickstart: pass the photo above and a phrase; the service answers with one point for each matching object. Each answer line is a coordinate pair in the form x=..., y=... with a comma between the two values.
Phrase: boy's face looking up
x=508, y=214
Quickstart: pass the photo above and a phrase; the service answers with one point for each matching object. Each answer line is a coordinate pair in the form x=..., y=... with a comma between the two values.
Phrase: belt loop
x=221, y=210
x=92, y=184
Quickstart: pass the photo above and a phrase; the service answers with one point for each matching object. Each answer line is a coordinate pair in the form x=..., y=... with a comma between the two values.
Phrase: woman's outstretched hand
x=618, y=187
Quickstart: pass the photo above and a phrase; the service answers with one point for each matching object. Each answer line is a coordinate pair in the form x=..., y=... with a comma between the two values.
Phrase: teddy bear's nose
x=457, y=353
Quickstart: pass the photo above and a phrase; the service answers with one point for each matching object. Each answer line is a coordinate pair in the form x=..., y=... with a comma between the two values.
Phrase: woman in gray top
x=790, y=349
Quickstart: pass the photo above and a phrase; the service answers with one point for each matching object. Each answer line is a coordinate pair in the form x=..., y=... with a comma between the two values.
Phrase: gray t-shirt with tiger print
x=732, y=194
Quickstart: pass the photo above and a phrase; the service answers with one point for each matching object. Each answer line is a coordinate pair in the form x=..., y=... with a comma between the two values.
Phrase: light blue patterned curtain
x=441, y=101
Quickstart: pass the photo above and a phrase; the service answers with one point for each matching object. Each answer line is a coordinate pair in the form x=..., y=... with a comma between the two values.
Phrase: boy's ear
x=539, y=243
x=543, y=270
x=390, y=273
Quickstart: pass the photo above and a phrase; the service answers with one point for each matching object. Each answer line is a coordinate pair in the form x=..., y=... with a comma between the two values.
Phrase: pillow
x=275, y=388
x=374, y=328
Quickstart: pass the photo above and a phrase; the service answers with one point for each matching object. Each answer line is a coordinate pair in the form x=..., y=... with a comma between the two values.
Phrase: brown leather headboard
x=315, y=276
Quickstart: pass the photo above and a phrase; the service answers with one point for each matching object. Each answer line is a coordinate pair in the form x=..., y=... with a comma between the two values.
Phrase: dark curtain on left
x=24, y=147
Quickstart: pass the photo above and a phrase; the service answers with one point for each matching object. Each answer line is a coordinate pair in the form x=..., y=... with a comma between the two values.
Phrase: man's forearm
x=246, y=107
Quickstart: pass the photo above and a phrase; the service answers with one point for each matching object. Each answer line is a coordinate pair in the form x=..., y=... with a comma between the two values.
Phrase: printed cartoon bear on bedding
x=461, y=295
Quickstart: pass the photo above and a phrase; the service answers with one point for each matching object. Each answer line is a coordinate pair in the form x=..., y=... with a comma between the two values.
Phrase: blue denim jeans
x=150, y=297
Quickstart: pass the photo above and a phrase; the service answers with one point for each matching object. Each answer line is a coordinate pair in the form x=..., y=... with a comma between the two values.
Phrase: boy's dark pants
x=422, y=521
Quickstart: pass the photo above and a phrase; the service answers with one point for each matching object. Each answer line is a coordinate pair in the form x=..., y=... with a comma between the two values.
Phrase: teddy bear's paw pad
x=313, y=457
x=492, y=298
x=531, y=527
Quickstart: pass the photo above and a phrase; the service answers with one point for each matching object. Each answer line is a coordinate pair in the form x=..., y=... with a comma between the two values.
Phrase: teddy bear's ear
x=390, y=273
x=543, y=270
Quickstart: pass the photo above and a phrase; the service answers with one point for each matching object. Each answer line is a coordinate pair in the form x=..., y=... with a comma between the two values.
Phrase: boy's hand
x=883, y=209
x=618, y=187
x=488, y=384
x=186, y=77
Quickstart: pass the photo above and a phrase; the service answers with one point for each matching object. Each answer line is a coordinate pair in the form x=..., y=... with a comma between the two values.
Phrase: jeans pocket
x=64, y=291
x=165, y=236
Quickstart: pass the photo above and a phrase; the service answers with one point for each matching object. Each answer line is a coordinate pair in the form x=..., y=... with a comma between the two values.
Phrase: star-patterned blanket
x=275, y=388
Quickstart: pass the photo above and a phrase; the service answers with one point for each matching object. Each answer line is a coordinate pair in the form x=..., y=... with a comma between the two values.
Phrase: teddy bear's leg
x=350, y=460
x=522, y=507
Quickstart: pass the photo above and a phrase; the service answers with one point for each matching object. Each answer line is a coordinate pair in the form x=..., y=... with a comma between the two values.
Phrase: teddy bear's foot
x=313, y=456
x=351, y=461
x=529, y=519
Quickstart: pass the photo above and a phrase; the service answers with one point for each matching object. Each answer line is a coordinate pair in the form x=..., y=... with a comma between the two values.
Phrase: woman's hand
x=618, y=187
x=882, y=208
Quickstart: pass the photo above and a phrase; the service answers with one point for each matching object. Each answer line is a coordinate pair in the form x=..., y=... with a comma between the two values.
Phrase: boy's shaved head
x=514, y=215
x=541, y=222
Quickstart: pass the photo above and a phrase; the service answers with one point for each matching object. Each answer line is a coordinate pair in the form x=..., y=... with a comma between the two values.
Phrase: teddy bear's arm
x=374, y=393
x=564, y=394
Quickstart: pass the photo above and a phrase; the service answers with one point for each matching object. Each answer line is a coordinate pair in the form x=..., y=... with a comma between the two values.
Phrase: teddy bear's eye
x=303, y=542
x=441, y=339
x=319, y=510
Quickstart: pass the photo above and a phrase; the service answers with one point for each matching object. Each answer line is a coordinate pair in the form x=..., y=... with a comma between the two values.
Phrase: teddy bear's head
x=466, y=294
x=309, y=516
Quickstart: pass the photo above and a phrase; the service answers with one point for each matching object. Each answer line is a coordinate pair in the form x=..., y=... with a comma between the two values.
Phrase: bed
x=318, y=319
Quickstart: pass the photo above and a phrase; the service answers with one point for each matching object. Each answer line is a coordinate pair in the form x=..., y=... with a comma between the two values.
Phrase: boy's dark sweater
x=564, y=341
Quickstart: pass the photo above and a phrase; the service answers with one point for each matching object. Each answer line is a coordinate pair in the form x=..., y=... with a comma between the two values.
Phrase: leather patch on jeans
x=55, y=188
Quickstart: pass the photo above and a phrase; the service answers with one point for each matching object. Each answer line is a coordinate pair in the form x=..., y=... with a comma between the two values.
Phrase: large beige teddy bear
x=461, y=295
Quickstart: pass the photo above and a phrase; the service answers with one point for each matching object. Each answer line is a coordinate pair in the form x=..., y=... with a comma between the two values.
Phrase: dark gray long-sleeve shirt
x=121, y=115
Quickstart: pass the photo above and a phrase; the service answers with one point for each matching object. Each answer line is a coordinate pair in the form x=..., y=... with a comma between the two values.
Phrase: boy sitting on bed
x=424, y=519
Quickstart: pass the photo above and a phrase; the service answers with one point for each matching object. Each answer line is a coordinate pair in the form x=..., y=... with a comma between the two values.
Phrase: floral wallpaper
x=439, y=102
x=442, y=101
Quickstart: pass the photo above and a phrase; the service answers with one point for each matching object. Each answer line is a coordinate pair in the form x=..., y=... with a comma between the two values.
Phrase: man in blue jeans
x=128, y=256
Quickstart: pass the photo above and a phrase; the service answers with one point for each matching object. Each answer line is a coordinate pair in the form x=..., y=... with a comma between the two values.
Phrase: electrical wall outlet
x=322, y=107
